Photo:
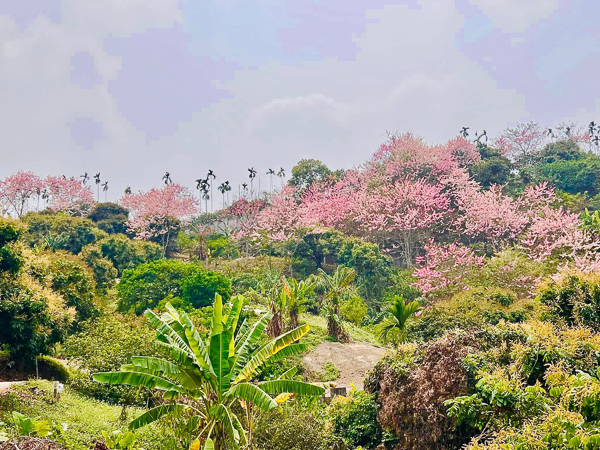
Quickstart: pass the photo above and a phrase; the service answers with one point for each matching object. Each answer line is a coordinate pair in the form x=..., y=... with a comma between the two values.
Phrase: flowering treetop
x=68, y=194
x=16, y=190
x=408, y=156
x=150, y=212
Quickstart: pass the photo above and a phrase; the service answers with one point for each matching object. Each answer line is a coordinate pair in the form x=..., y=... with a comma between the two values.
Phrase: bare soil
x=353, y=360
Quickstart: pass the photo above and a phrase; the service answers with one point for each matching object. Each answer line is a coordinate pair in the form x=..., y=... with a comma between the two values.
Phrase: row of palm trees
x=85, y=178
x=203, y=185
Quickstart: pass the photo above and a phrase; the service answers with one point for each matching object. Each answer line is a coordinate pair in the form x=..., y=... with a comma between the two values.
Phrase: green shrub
x=509, y=269
x=61, y=232
x=147, y=284
x=354, y=418
x=33, y=317
x=53, y=369
x=290, y=428
x=74, y=281
x=199, y=289
x=354, y=310
x=104, y=271
x=222, y=246
x=105, y=344
x=330, y=372
x=468, y=310
x=11, y=259
x=125, y=253
x=573, y=299
x=109, y=217
x=373, y=268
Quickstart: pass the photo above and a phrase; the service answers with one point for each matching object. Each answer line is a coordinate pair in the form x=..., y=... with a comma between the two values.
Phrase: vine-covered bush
x=411, y=397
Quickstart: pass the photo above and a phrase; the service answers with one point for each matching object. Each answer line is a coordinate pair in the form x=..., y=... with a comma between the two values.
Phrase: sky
x=135, y=88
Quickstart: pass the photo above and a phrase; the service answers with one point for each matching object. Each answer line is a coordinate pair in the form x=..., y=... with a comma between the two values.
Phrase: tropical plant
x=401, y=312
x=338, y=287
x=212, y=377
x=297, y=294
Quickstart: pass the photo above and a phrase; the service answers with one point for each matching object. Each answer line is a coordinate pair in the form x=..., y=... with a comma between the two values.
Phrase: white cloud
x=516, y=16
x=408, y=75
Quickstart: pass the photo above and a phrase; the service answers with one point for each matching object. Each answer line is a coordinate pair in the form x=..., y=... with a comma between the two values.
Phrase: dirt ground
x=353, y=360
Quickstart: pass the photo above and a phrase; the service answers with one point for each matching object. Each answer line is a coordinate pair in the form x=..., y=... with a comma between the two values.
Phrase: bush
x=104, y=271
x=199, y=289
x=125, y=253
x=470, y=310
x=354, y=310
x=11, y=260
x=71, y=278
x=105, y=344
x=573, y=299
x=146, y=285
x=355, y=419
x=509, y=269
x=53, y=369
x=290, y=428
x=60, y=232
x=222, y=246
x=412, y=401
x=109, y=217
x=33, y=317
x=373, y=268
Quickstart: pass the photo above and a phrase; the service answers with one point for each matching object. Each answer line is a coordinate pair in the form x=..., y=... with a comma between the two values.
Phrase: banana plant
x=338, y=287
x=207, y=379
x=400, y=313
x=297, y=293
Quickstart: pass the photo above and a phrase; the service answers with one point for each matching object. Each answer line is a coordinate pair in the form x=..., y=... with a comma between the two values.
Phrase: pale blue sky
x=132, y=88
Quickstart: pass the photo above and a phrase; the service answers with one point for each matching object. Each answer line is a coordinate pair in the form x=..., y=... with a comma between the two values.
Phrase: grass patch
x=85, y=418
x=318, y=331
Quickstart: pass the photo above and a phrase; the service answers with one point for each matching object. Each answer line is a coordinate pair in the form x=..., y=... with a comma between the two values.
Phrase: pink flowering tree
x=443, y=267
x=556, y=230
x=523, y=142
x=69, y=195
x=281, y=220
x=157, y=214
x=408, y=156
x=241, y=216
x=18, y=190
x=400, y=215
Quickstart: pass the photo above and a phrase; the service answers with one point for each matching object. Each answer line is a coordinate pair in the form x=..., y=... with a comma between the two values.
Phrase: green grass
x=85, y=418
x=318, y=331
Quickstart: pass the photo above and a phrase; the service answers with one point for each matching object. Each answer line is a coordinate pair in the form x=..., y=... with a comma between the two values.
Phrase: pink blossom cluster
x=444, y=265
x=152, y=213
x=406, y=155
x=21, y=191
x=243, y=213
x=68, y=194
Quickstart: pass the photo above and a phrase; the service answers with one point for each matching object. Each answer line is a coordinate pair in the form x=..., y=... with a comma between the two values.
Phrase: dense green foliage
x=146, y=285
x=109, y=217
x=61, y=232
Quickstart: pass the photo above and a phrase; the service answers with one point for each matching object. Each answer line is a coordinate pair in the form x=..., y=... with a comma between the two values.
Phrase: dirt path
x=353, y=360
